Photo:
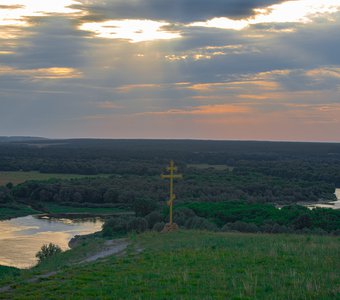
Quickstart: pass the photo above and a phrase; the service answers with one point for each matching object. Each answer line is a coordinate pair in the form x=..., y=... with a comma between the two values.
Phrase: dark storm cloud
x=52, y=42
x=183, y=11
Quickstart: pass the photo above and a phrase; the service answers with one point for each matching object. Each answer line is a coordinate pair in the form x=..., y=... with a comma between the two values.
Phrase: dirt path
x=111, y=247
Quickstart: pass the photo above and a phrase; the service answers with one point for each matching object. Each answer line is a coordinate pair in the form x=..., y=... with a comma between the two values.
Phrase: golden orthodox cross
x=172, y=169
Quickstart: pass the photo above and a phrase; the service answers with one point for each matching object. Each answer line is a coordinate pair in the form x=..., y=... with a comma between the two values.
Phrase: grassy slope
x=202, y=265
x=8, y=273
x=19, y=177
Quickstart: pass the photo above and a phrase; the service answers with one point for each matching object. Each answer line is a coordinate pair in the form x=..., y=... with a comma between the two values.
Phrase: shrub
x=158, y=226
x=153, y=218
x=142, y=206
x=200, y=223
x=302, y=222
x=226, y=228
x=275, y=228
x=319, y=231
x=115, y=226
x=243, y=227
x=137, y=225
x=181, y=215
x=9, y=185
x=336, y=232
x=280, y=229
x=48, y=251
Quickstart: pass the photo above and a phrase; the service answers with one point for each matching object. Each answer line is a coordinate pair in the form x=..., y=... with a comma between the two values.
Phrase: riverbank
x=15, y=210
x=324, y=204
x=194, y=265
x=21, y=238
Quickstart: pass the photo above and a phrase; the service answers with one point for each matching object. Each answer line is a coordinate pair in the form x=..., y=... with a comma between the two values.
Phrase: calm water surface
x=22, y=238
x=334, y=205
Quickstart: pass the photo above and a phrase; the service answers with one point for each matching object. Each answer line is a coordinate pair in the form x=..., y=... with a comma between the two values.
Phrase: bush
x=200, y=223
x=275, y=228
x=153, y=218
x=302, y=222
x=142, y=206
x=158, y=226
x=319, y=231
x=241, y=227
x=226, y=228
x=181, y=215
x=137, y=225
x=336, y=232
x=115, y=226
x=48, y=251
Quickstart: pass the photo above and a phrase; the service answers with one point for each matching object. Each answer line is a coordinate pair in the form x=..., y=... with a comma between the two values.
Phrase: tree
x=48, y=251
x=111, y=196
x=137, y=225
x=142, y=206
x=9, y=185
x=115, y=226
x=303, y=221
x=153, y=218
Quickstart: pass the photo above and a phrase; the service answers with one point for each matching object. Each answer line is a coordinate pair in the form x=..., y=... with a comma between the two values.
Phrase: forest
x=221, y=178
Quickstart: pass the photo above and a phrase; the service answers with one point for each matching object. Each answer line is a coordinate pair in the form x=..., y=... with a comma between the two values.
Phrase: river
x=331, y=204
x=21, y=238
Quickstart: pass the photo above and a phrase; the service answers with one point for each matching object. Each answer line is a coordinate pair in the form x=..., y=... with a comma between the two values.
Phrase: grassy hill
x=199, y=265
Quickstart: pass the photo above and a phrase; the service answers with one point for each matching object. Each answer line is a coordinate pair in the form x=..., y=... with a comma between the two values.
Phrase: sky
x=179, y=69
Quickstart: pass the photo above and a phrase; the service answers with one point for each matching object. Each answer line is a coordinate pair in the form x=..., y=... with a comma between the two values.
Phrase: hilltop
x=195, y=265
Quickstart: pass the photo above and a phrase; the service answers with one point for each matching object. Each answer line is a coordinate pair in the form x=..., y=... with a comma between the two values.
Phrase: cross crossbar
x=171, y=176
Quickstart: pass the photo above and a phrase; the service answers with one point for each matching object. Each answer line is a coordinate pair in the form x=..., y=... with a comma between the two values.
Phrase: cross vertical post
x=172, y=169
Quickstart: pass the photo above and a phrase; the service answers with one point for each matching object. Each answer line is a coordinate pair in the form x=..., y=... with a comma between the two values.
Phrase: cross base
x=170, y=227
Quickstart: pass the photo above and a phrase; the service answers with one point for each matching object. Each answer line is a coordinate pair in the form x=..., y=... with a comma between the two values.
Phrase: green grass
x=8, y=272
x=62, y=209
x=202, y=265
x=16, y=210
x=21, y=176
x=85, y=246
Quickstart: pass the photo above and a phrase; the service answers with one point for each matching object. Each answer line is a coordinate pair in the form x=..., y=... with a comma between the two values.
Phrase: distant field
x=19, y=177
x=207, y=166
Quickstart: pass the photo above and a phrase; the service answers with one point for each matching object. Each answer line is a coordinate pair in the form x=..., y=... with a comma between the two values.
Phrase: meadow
x=198, y=265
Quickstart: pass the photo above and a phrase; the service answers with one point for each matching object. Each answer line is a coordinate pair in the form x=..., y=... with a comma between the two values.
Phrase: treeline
x=243, y=216
x=198, y=185
x=327, y=171
x=232, y=216
x=314, y=161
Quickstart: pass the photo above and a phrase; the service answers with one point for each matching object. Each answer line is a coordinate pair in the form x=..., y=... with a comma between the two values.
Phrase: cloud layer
x=171, y=69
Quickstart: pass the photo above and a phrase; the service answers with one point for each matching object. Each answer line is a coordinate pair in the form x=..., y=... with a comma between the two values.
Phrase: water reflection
x=22, y=238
